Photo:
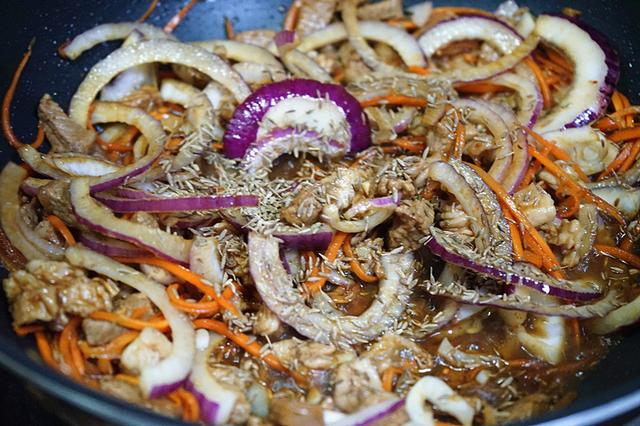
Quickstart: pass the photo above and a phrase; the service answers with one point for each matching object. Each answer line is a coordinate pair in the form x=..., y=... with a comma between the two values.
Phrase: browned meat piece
x=304, y=209
x=102, y=332
x=55, y=199
x=356, y=385
x=411, y=222
x=266, y=323
x=235, y=258
x=64, y=134
x=315, y=15
x=49, y=291
x=389, y=185
x=381, y=10
x=309, y=355
x=260, y=38
x=132, y=394
x=368, y=254
x=291, y=412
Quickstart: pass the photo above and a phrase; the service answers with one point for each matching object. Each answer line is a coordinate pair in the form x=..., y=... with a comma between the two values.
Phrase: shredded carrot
x=200, y=308
x=617, y=162
x=64, y=344
x=388, y=375
x=44, y=347
x=407, y=24
x=558, y=152
x=569, y=206
x=111, y=350
x=394, y=100
x=625, y=134
x=551, y=66
x=456, y=10
x=516, y=239
x=315, y=283
x=544, y=88
x=189, y=404
x=540, y=245
x=113, y=147
x=133, y=324
x=291, y=18
x=629, y=120
x=559, y=60
x=534, y=168
x=148, y=12
x=62, y=228
x=480, y=87
x=186, y=275
x=24, y=330
x=228, y=28
x=105, y=366
x=576, y=189
x=631, y=110
x=248, y=344
x=7, y=129
x=132, y=380
x=606, y=124
x=533, y=258
x=458, y=143
x=409, y=145
x=618, y=104
x=626, y=244
x=179, y=17
x=355, y=265
x=631, y=159
x=418, y=70
x=615, y=252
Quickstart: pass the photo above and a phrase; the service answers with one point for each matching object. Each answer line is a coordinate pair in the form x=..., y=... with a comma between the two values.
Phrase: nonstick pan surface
x=612, y=389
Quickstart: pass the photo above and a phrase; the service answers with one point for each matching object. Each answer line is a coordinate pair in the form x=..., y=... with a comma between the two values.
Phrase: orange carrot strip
x=569, y=206
x=533, y=258
x=228, y=29
x=191, y=408
x=331, y=254
x=148, y=12
x=461, y=11
x=558, y=152
x=132, y=380
x=23, y=330
x=201, y=308
x=7, y=129
x=521, y=218
x=408, y=145
x=111, y=350
x=355, y=265
x=516, y=238
x=246, y=343
x=388, y=375
x=133, y=324
x=64, y=344
x=394, y=100
x=630, y=110
x=458, y=144
x=625, y=134
x=62, y=228
x=631, y=159
x=617, y=162
x=544, y=88
x=105, y=366
x=179, y=17
x=615, y=252
x=186, y=275
x=76, y=354
x=418, y=70
x=407, y=24
x=559, y=60
x=629, y=121
x=534, y=168
x=578, y=190
x=44, y=347
x=618, y=105
x=607, y=124
x=291, y=18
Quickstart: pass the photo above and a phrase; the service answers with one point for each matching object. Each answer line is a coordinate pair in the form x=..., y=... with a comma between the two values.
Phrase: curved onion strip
x=301, y=65
x=216, y=400
x=481, y=112
x=331, y=215
x=529, y=97
x=176, y=204
x=10, y=179
x=101, y=220
x=48, y=249
x=109, y=32
x=80, y=164
x=596, y=71
x=400, y=40
x=450, y=285
x=169, y=373
x=109, y=246
x=442, y=397
x=623, y=316
x=151, y=129
x=240, y=52
x=166, y=51
x=36, y=161
x=31, y=185
x=323, y=322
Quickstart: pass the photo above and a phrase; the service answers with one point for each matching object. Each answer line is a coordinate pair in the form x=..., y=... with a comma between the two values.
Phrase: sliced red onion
x=177, y=204
x=529, y=96
x=169, y=373
x=243, y=128
x=370, y=415
x=481, y=112
x=30, y=186
x=284, y=37
x=109, y=246
x=622, y=317
x=366, y=205
x=99, y=219
x=596, y=72
x=454, y=285
x=450, y=249
x=261, y=154
x=131, y=193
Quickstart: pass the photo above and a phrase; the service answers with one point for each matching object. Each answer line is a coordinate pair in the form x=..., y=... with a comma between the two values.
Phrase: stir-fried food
x=377, y=214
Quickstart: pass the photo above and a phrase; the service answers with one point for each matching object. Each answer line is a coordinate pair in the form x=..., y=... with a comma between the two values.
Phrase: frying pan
x=609, y=391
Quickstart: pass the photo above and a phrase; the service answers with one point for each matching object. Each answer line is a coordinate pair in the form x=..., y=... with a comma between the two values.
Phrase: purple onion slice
x=178, y=204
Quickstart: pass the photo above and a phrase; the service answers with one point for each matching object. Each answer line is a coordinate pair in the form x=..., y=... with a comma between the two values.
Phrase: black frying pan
x=606, y=393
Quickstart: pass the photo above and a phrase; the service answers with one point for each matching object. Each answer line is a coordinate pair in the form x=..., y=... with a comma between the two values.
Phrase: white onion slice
x=443, y=398
x=400, y=40
x=240, y=52
x=109, y=32
x=548, y=339
x=166, y=51
x=170, y=373
x=420, y=13
x=588, y=147
x=529, y=96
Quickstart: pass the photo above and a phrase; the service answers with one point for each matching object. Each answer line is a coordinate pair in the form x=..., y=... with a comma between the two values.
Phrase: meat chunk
x=536, y=204
x=389, y=185
x=149, y=348
x=356, y=385
x=64, y=134
x=235, y=258
x=411, y=222
x=310, y=355
x=102, y=332
x=49, y=291
x=54, y=198
x=260, y=38
x=397, y=351
x=453, y=218
x=574, y=237
x=304, y=209
x=315, y=15
x=266, y=323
